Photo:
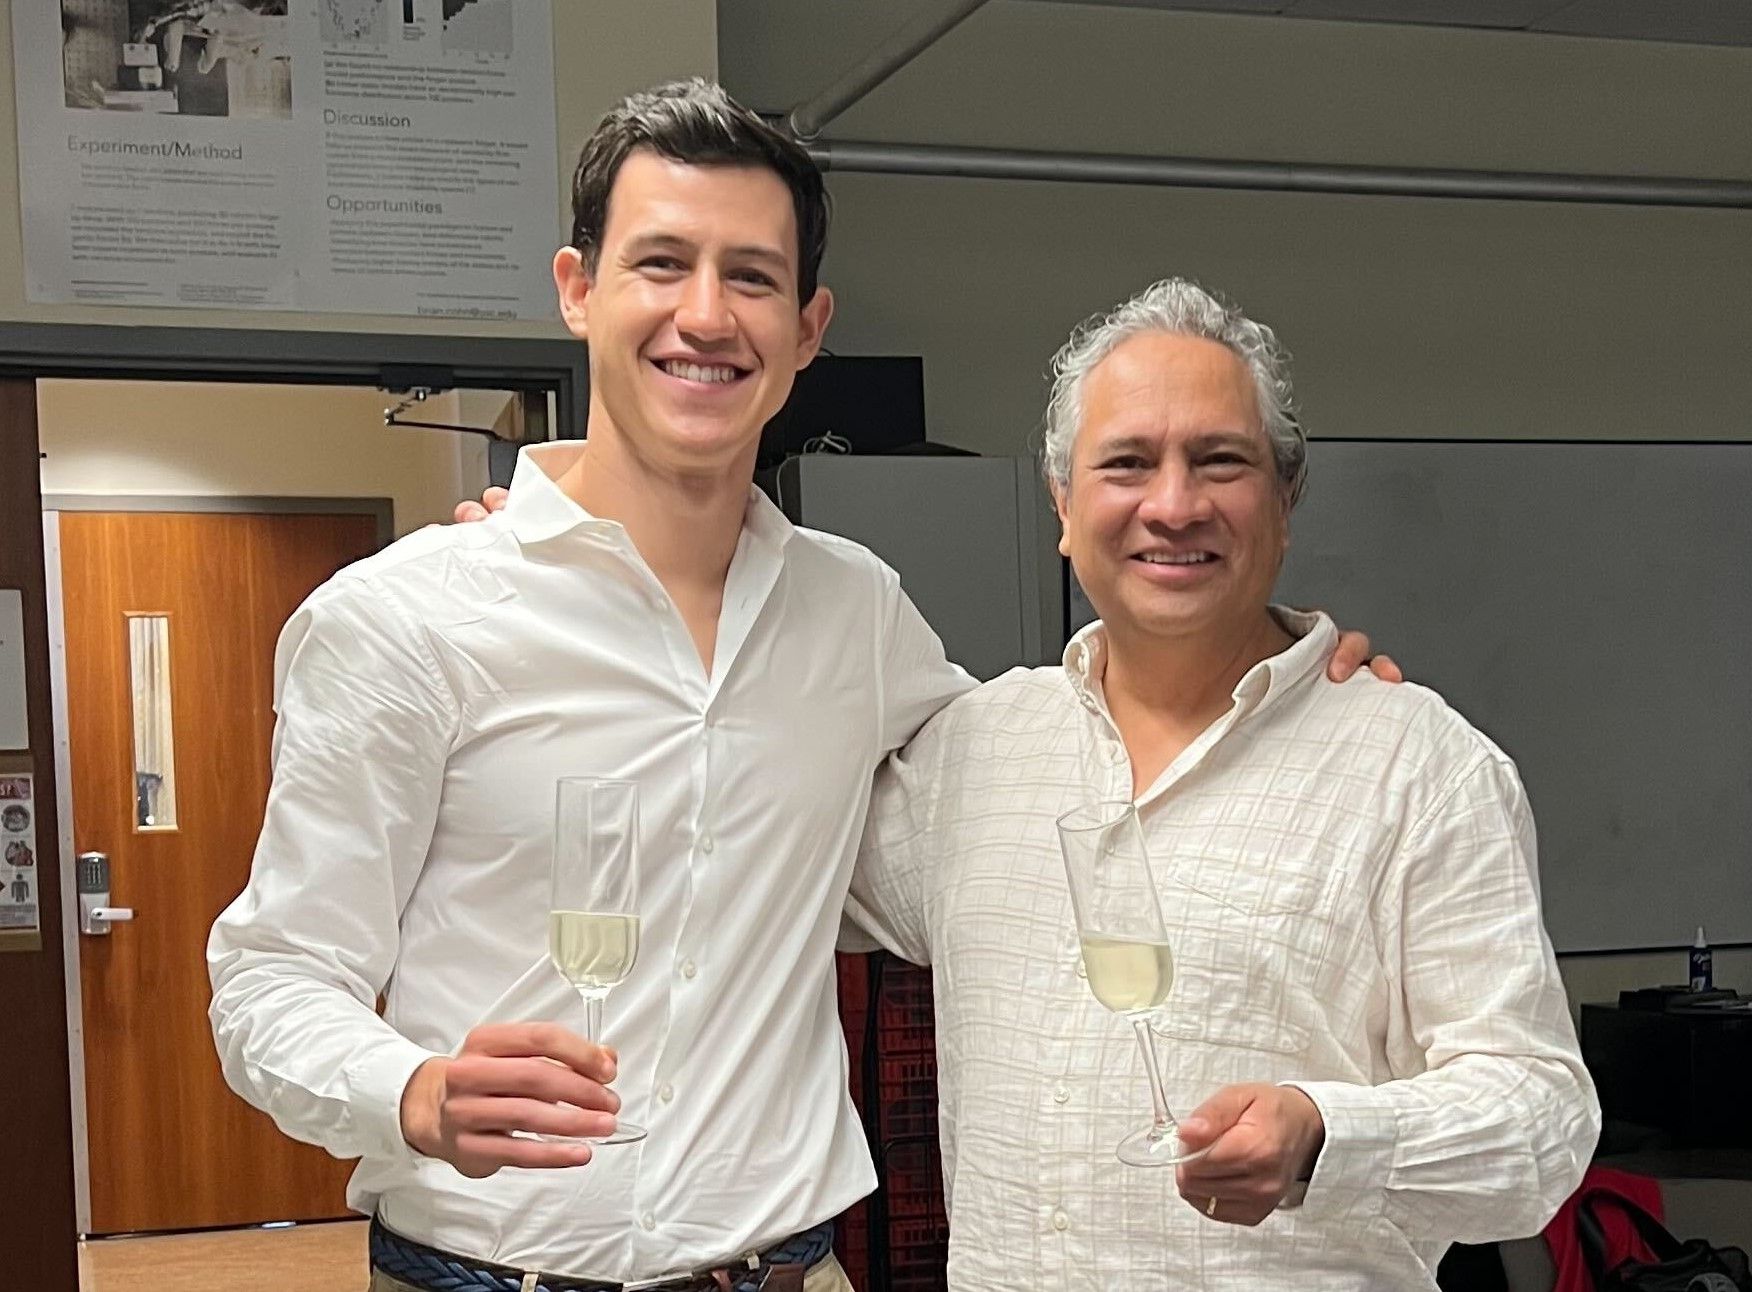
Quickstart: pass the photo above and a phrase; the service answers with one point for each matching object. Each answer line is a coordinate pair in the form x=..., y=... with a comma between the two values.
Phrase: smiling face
x=691, y=311
x=1174, y=519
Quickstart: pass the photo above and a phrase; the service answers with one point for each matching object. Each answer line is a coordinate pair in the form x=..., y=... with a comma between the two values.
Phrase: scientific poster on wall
x=346, y=156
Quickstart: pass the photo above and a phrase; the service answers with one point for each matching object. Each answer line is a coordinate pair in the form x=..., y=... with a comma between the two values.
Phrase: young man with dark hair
x=637, y=611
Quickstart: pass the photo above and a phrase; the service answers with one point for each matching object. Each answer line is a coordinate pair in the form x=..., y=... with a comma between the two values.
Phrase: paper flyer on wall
x=345, y=156
x=18, y=856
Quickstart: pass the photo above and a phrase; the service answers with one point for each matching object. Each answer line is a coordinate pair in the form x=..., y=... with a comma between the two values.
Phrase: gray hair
x=1181, y=308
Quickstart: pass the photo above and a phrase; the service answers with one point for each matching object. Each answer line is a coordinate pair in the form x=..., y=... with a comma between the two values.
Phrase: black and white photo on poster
x=208, y=58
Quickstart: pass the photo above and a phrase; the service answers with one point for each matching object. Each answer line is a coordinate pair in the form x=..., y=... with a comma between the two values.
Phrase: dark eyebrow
x=765, y=255
x=648, y=242
x=657, y=242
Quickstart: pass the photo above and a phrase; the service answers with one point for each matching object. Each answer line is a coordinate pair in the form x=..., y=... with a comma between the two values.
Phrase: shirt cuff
x=1351, y=1172
x=375, y=1081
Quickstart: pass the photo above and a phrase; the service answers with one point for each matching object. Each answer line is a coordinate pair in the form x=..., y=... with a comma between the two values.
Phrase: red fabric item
x=1622, y=1240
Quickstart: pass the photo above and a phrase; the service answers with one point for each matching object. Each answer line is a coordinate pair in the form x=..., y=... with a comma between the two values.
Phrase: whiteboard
x=1589, y=606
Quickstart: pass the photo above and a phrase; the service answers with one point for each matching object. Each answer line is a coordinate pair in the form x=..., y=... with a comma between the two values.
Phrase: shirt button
x=1060, y=1221
x=667, y=1093
x=1060, y=1094
x=1082, y=969
x=706, y=843
x=1116, y=753
x=648, y=1220
x=688, y=970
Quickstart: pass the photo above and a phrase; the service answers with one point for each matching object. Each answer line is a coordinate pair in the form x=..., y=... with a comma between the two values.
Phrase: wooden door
x=170, y=1146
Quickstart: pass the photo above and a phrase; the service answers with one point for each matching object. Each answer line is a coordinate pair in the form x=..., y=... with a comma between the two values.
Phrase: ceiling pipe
x=1282, y=177
x=807, y=120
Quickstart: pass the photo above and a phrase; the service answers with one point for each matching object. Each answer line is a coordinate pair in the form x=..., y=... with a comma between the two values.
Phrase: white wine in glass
x=593, y=909
x=1127, y=975
x=1125, y=949
x=593, y=952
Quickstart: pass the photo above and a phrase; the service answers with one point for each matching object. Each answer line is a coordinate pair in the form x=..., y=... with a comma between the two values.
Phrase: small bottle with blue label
x=1702, y=966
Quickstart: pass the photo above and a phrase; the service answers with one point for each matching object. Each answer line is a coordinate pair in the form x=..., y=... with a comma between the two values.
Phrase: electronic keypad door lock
x=92, y=878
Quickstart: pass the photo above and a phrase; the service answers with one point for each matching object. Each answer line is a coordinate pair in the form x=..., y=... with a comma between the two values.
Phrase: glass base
x=624, y=1133
x=1152, y=1147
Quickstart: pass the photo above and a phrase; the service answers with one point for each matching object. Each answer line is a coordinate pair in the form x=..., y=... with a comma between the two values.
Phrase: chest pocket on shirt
x=1248, y=956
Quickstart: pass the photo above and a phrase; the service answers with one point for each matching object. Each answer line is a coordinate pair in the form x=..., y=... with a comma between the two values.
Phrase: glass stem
x=1163, y=1124
x=593, y=1016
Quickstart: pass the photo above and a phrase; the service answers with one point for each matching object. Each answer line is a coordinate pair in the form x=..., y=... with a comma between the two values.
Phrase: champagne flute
x=593, y=924
x=1125, y=948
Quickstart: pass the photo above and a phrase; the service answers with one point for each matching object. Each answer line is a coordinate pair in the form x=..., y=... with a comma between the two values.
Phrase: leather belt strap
x=779, y=1268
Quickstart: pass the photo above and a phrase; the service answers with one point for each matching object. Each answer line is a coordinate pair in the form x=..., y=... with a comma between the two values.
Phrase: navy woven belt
x=433, y=1270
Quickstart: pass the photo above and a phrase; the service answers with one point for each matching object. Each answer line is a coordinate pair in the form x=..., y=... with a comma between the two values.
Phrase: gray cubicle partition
x=1589, y=606
x=960, y=532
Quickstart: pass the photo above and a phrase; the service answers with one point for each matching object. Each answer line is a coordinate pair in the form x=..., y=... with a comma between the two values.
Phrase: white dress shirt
x=428, y=698
x=1348, y=882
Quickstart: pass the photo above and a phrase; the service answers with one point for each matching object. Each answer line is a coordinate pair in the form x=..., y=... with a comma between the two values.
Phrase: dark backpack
x=1690, y=1266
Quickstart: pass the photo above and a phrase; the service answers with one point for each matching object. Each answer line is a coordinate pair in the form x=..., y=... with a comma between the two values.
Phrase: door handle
x=92, y=878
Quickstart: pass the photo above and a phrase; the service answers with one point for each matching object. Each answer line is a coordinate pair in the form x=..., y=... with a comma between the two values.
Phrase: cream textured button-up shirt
x=1348, y=880
x=428, y=698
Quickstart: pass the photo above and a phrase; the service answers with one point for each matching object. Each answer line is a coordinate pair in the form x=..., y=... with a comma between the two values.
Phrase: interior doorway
x=165, y=609
x=148, y=540
x=168, y=620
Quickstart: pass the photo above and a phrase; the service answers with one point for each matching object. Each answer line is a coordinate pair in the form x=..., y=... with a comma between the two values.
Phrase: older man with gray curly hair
x=1366, y=1016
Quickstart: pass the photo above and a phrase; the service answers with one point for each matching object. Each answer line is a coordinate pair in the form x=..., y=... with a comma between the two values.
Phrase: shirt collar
x=1085, y=662
x=538, y=510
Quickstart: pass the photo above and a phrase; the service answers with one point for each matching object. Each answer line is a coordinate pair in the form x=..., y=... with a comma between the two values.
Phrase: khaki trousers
x=823, y=1276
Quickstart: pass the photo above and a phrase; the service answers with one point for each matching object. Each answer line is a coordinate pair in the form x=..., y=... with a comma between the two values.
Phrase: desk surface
x=1741, y=1008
